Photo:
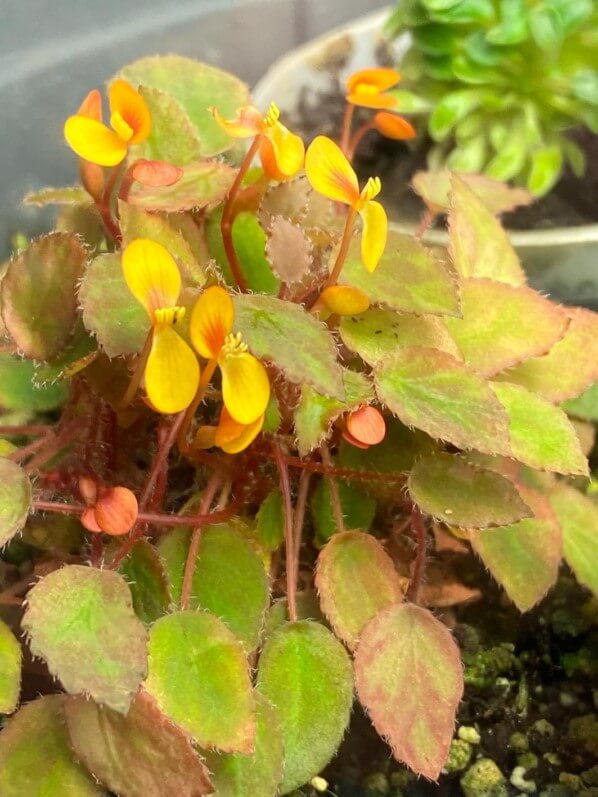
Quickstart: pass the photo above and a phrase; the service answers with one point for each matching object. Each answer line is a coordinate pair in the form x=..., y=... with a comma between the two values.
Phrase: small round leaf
x=15, y=499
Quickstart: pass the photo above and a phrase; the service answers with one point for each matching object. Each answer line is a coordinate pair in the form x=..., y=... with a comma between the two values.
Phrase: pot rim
x=555, y=236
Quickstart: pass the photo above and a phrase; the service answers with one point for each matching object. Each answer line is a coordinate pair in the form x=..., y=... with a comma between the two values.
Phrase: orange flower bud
x=116, y=510
x=365, y=427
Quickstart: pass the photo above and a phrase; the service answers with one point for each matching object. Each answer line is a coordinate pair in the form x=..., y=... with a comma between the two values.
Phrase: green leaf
x=268, y=324
x=409, y=678
x=433, y=391
x=451, y=109
x=138, y=223
x=504, y=324
x=229, y=579
x=523, y=557
x=316, y=413
x=466, y=12
x=81, y=351
x=545, y=26
x=578, y=516
x=145, y=575
x=196, y=86
x=258, y=774
x=136, y=755
x=270, y=521
x=36, y=756
x=541, y=434
x=81, y=621
x=584, y=406
x=249, y=240
x=435, y=189
x=377, y=332
x=173, y=139
x=10, y=670
x=409, y=277
x=199, y=676
x=39, y=301
x=396, y=454
x=456, y=492
x=570, y=367
x=18, y=390
x=479, y=246
x=585, y=85
x=355, y=579
x=512, y=28
x=15, y=499
x=307, y=675
x=408, y=102
x=511, y=156
x=66, y=195
x=203, y=186
x=546, y=168
x=358, y=509
x=124, y=329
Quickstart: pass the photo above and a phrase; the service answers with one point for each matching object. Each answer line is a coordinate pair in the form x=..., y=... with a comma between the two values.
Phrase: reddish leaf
x=504, y=324
x=288, y=250
x=156, y=173
x=355, y=578
x=409, y=678
x=435, y=187
x=141, y=754
x=570, y=366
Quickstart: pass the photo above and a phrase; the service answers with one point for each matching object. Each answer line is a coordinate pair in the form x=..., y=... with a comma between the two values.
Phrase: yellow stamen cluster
x=233, y=345
x=273, y=115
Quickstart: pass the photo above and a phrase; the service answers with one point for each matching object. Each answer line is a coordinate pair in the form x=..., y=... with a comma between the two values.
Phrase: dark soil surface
x=528, y=720
x=574, y=201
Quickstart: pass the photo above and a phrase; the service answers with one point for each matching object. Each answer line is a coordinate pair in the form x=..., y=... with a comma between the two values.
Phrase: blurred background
x=53, y=53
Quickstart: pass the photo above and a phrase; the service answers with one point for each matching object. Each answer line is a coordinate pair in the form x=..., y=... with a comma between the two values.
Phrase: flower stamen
x=168, y=316
x=233, y=346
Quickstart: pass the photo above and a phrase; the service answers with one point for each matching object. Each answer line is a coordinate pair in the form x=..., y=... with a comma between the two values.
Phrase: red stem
x=357, y=137
x=228, y=215
x=346, y=127
x=285, y=489
x=419, y=567
x=206, y=501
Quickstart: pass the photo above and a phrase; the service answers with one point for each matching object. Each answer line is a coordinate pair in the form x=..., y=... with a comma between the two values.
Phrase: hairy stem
x=206, y=501
x=298, y=521
x=425, y=223
x=346, y=127
x=228, y=215
x=291, y=567
x=206, y=376
x=344, y=248
x=357, y=138
x=335, y=497
x=138, y=372
x=419, y=567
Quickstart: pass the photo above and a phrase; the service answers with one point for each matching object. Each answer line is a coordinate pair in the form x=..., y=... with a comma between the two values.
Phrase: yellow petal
x=372, y=99
x=130, y=105
x=247, y=123
x=345, y=300
x=245, y=387
x=152, y=275
x=93, y=141
x=211, y=321
x=329, y=171
x=373, y=236
x=232, y=436
x=377, y=79
x=393, y=126
x=288, y=150
x=172, y=372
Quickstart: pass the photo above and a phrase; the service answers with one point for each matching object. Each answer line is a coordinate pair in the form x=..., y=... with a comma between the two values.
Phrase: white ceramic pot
x=561, y=261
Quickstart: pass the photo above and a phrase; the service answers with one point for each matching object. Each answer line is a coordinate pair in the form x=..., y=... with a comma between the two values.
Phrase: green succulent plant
x=505, y=80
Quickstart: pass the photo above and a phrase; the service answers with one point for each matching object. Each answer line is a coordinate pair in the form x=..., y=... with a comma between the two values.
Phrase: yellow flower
x=96, y=142
x=230, y=435
x=366, y=87
x=245, y=385
x=331, y=174
x=281, y=151
x=172, y=370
